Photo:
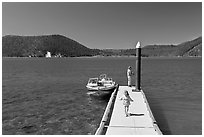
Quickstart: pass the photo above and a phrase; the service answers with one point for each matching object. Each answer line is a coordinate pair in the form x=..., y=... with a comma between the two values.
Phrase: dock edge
x=156, y=127
x=104, y=119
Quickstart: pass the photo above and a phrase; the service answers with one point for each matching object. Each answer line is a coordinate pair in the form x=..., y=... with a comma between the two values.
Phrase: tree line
x=37, y=46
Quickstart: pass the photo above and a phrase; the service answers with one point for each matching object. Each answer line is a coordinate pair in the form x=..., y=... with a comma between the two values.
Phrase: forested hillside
x=37, y=46
x=189, y=48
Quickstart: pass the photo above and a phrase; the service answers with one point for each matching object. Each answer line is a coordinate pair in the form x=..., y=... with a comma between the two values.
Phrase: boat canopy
x=93, y=80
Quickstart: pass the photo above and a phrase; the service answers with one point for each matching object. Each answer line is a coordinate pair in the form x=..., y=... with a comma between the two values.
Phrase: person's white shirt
x=129, y=72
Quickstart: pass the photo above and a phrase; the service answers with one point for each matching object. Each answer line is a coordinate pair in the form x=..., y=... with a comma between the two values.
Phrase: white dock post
x=138, y=65
x=138, y=68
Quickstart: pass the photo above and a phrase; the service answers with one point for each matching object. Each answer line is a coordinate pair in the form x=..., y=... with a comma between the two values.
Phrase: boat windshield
x=93, y=80
x=102, y=76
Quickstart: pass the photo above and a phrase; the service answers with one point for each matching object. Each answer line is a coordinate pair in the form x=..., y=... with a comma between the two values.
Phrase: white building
x=48, y=55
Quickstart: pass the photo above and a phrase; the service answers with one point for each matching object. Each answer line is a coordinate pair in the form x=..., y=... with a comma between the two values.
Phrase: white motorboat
x=102, y=83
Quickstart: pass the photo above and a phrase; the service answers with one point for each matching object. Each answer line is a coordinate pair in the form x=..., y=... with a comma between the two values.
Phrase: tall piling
x=138, y=66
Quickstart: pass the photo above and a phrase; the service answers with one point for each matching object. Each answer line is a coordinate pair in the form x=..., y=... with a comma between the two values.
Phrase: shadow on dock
x=131, y=114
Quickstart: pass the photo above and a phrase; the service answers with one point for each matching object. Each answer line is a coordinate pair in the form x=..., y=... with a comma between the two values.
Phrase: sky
x=110, y=25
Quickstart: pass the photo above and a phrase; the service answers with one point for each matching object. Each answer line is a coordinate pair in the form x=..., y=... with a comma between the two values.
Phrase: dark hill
x=37, y=46
x=189, y=48
x=159, y=50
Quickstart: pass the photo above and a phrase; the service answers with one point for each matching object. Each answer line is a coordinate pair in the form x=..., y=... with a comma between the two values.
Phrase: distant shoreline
x=61, y=46
x=114, y=57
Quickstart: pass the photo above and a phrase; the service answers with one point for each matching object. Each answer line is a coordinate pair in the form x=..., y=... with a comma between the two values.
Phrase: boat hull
x=105, y=93
x=100, y=88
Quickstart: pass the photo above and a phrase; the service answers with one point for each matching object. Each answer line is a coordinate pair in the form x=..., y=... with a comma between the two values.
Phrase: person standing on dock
x=126, y=101
x=129, y=74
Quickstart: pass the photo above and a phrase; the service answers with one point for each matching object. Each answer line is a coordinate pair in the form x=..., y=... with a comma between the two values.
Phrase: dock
x=140, y=122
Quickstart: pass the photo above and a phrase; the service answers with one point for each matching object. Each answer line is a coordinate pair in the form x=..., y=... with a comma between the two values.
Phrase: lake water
x=48, y=96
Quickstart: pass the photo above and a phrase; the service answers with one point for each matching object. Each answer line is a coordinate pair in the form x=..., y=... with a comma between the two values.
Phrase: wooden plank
x=139, y=122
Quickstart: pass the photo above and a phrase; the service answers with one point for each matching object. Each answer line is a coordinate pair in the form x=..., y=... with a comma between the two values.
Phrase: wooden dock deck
x=140, y=121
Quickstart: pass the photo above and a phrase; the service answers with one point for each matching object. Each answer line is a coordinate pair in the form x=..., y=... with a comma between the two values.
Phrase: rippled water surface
x=48, y=96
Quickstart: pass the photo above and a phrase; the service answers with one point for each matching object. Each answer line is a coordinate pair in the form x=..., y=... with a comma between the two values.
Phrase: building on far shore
x=48, y=55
